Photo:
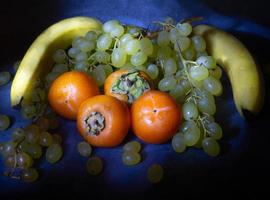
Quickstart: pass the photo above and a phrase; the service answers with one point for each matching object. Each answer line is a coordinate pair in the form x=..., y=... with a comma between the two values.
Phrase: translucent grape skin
x=190, y=111
x=131, y=158
x=132, y=46
x=210, y=146
x=178, y=143
x=34, y=150
x=29, y=175
x=118, y=57
x=213, y=86
x=45, y=139
x=155, y=173
x=104, y=42
x=198, y=73
x=32, y=133
x=152, y=71
x=94, y=165
x=163, y=38
x=54, y=153
x=167, y=84
x=199, y=43
x=214, y=130
x=24, y=160
x=191, y=132
x=170, y=67
x=132, y=146
x=138, y=59
x=146, y=46
x=206, y=61
x=84, y=149
x=4, y=122
x=184, y=28
x=9, y=149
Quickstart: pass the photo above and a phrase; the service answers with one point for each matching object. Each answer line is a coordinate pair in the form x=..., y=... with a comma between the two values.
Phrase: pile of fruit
x=112, y=78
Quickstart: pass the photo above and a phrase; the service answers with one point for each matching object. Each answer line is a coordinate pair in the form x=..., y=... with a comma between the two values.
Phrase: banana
x=38, y=58
x=240, y=66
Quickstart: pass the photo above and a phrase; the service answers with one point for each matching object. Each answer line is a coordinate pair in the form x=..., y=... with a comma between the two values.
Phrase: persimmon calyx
x=131, y=84
x=95, y=123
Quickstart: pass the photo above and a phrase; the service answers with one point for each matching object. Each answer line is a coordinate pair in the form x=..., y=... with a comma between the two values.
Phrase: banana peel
x=38, y=58
x=244, y=74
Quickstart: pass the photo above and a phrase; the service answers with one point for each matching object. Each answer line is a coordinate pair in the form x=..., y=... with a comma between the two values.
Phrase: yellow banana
x=240, y=66
x=38, y=58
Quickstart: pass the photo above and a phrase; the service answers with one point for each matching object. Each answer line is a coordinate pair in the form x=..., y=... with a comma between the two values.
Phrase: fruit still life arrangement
x=116, y=79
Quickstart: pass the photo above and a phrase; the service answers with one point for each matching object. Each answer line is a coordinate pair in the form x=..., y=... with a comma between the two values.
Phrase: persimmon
x=155, y=117
x=103, y=121
x=127, y=84
x=69, y=90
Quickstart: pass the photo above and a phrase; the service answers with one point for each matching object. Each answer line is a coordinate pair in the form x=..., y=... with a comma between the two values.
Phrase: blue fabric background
x=244, y=161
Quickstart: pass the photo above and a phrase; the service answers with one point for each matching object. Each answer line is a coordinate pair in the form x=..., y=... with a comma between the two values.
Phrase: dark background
x=243, y=167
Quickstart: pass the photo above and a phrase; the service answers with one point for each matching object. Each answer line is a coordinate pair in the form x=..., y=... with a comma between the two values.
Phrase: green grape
x=45, y=139
x=24, y=160
x=146, y=46
x=10, y=161
x=102, y=57
x=167, y=84
x=174, y=34
x=124, y=39
x=1, y=147
x=199, y=54
x=206, y=61
x=81, y=66
x=184, y=29
x=99, y=75
x=134, y=31
x=60, y=56
x=4, y=122
x=206, y=106
x=84, y=149
x=94, y=165
x=208, y=118
x=60, y=68
x=191, y=132
x=86, y=45
x=214, y=130
x=110, y=25
x=32, y=133
x=54, y=153
x=18, y=134
x=132, y=46
x=163, y=38
x=91, y=35
x=9, y=149
x=29, y=175
x=81, y=56
x=198, y=73
x=131, y=158
x=50, y=78
x=152, y=71
x=43, y=124
x=28, y=111
x=189, y=53
x=117, y=31
x=133, y=146
x=23, y=146
x=138, y=59
x=73, y=51
x=178, y=143
x=4, y=77
x=186, y=85
x=56, y=138
x=118, y=57
x=190, y=111
x=206, y=94
x=77, y=41
x=34, y=150
x=217, y=72
x=213, y=86
x=196, y=84
x=199, y=43
x=183, y=42
x=177, y=91
x=164, y=52
x=170, y=66
x=104, y=42
x=210, y=146
x=107, y=69
x=155, y=173
x=155, y=51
